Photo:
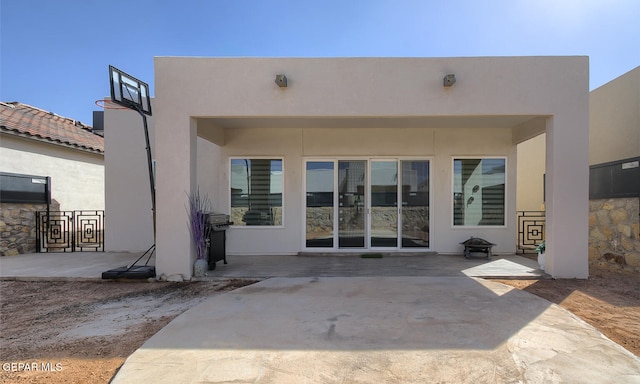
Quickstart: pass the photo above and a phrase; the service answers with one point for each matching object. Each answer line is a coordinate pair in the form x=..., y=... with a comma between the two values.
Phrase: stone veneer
x=18, y=227
x=614, y=233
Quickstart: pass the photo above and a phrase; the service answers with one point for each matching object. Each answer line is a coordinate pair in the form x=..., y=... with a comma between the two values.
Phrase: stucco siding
x=614, y=112
x=77, y=177
x=531, y=168
x=367, y=86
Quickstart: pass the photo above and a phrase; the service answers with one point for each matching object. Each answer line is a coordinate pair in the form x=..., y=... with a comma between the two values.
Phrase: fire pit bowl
x=477, y=245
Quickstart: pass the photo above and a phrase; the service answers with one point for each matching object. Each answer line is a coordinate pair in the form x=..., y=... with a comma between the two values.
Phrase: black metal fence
x=531, y=227
x=69, y=231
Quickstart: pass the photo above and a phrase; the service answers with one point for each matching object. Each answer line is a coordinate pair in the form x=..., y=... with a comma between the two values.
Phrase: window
x=479, y=192
x=16, y=188
x=256, y=192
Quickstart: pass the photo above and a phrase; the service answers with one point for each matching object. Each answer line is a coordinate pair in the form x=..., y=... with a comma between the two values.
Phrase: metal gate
x=69, y=231
x=531, y=226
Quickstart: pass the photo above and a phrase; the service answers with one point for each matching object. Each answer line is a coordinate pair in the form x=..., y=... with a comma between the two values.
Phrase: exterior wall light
x=281, y=80
x=449, y=80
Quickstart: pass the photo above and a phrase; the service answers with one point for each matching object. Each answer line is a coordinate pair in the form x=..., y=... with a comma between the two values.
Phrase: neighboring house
x=355, y=155
x=37, y=145
x=614, y=159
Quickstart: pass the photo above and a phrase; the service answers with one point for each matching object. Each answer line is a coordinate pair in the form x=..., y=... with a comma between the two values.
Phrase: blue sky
x=55, y=54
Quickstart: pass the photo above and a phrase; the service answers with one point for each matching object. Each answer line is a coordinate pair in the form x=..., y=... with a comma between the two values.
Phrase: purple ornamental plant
x=199, y=206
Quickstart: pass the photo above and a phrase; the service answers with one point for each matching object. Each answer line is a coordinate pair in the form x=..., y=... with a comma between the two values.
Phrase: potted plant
x=198, y=208
x=540, y=249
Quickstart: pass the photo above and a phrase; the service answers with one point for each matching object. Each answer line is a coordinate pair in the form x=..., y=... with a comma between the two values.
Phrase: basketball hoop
x=106, y=104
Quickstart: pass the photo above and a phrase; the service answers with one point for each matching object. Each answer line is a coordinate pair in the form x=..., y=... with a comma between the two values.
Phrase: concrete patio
x=379, y=329
x=90, y=265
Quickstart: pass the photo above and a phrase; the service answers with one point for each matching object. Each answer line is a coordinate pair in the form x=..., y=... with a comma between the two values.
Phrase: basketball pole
x=152, y=184
x=152, y=249
x=129, y=92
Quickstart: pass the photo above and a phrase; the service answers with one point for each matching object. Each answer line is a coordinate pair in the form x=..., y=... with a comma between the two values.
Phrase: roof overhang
x=478, y=121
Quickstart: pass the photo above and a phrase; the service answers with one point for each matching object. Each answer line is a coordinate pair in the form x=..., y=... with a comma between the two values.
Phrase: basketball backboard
x=129, y=92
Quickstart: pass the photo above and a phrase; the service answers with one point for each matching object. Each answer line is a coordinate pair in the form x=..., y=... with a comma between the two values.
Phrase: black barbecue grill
x=218, y=224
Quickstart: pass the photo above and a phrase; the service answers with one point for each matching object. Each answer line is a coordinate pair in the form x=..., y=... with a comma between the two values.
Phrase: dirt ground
x=609, y=301
x=82, y=332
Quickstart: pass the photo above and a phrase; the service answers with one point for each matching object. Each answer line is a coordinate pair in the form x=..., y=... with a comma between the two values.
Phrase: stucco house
x=339, y=155
x=39, y=145
x=614, y=160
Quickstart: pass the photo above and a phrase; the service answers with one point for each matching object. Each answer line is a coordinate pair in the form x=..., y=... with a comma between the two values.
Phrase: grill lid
x=217, y=218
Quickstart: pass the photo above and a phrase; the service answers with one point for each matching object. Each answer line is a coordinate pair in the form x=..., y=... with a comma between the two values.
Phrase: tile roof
x=27, y=121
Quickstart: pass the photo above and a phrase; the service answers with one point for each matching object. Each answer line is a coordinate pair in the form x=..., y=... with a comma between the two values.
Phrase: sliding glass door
x=384, y=204
x=415, y=204
x=379, y=204
x=351, y=203
x=320, y=180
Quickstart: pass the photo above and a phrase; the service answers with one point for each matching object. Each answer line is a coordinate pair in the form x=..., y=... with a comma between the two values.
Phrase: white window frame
x=453, y=180
x=249, y=157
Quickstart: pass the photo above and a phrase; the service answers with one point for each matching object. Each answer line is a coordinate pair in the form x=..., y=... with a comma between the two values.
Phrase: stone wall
x=18, y=227
x=614, y=233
